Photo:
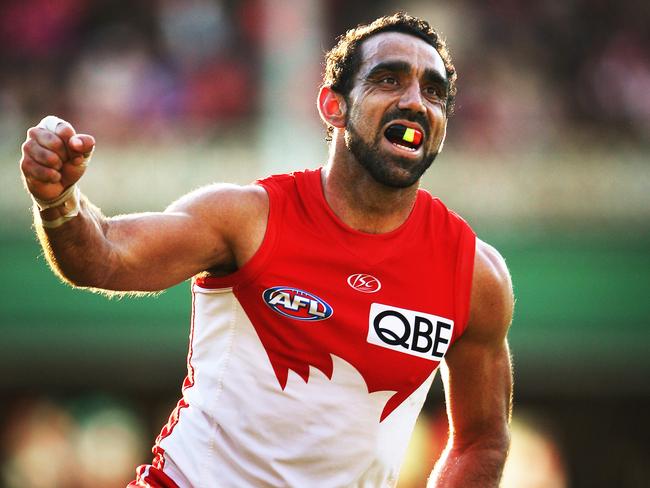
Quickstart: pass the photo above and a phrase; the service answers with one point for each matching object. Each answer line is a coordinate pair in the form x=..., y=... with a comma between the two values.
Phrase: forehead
x=397, y=46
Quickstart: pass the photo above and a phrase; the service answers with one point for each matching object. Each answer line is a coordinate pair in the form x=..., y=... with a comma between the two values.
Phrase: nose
x=411, y=98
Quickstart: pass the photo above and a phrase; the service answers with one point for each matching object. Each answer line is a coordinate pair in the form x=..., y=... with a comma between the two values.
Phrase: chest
x=386, y=308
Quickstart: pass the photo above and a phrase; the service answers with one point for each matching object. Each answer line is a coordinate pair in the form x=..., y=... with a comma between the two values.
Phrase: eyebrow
x=430, y=75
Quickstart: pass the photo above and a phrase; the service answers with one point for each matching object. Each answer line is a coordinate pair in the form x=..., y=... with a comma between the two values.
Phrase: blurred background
x=547, y=158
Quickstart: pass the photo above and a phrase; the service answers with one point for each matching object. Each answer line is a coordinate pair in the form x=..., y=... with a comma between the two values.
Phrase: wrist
x=55, y=213
x=60, y=200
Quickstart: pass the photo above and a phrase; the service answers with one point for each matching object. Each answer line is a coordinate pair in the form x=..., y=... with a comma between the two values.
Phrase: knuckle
x=52, y=159
x=49, y=138
x=28, y=147
x=36, y=152
x=46, y=174
x=56, y=143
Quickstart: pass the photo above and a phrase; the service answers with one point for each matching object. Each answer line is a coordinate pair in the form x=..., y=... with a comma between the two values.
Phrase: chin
x=396, y=173
x=385, y=167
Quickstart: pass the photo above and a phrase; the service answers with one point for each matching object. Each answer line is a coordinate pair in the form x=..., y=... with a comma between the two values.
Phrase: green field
x=580, y=321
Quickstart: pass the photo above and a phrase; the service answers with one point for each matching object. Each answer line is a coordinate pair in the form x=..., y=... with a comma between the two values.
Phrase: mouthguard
x=401, y=134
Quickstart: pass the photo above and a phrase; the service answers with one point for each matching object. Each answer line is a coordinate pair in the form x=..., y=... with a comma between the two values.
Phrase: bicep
x=153, y=251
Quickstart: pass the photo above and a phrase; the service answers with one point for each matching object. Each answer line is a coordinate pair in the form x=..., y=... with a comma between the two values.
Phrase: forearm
x=141, y=252
x=478, y=465
x=77, y=250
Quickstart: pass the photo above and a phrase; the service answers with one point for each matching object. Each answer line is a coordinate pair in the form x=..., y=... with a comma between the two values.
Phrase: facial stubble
x=385, y=169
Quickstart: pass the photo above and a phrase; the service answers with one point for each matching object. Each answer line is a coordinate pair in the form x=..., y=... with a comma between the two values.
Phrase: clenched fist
x=54, y=157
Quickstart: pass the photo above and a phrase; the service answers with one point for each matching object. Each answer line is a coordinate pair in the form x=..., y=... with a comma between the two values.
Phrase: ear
x=332, y=107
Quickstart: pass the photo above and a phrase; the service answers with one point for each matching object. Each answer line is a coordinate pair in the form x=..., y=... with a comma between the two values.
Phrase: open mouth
x=404, y=137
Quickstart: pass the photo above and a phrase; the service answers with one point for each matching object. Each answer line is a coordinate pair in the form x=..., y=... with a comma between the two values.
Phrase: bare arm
x=478, y=383
x=216, y=228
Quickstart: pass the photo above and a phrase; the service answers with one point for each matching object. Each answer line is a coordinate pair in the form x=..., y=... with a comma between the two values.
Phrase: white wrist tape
x=53, y=224
x=44, y=204
x=73, y=192
x=50, y=122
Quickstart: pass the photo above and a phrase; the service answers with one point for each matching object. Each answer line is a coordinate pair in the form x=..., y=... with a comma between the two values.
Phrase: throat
x=366, y=206
x=370, y=224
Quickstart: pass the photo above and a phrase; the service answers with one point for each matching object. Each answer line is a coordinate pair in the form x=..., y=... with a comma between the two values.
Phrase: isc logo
x=364, y=283
x=297, y=304
x=416, y=333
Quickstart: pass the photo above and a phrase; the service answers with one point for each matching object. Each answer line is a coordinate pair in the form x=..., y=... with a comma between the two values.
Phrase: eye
x=388, y=80
x=434, y=92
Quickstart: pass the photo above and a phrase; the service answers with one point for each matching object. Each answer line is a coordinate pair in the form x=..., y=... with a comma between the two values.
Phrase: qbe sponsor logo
x=415, y=333
x=297, y=304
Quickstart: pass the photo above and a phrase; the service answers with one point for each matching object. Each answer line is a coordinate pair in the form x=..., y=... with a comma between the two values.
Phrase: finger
x=37, y=172
x=71, y=173
x=80, y=161
x=57, y=126
x=50, y=122
x=42, y=155
x=49, y=140
x=65, y=131
x=82, y=144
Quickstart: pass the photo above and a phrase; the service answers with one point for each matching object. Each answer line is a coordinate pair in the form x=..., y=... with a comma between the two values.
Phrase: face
x=396, y=117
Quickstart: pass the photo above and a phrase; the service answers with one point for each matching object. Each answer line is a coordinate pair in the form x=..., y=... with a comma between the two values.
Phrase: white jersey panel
x=251, y=433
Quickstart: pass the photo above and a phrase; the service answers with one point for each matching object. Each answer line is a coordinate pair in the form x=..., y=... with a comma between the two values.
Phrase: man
x=323, y=301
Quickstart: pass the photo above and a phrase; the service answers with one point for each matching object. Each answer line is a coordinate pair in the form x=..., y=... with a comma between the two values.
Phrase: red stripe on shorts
x=150, y=477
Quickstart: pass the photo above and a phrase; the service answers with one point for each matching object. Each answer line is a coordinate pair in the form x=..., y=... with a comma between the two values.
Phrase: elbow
x=500, y=446
x=95, y=284
x=82, y=281
x=494, y=444
x=81, y=273
x=75, y=278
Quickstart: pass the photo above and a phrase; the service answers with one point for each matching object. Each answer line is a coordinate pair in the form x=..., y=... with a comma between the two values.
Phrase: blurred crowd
x=87, y=441
x=130, y=68
x=531, y=74
x=545, y=72
x=95, y=441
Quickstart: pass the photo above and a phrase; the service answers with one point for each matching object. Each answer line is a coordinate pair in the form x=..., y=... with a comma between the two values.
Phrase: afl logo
x=296, y=304
x=364, y=283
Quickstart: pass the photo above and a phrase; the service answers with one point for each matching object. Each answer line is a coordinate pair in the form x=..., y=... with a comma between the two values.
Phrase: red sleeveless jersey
x=310, y=364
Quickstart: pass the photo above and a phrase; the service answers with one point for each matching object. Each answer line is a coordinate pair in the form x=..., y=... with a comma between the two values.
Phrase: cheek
x=438, y=123
x=363, y=108
x=357, y=119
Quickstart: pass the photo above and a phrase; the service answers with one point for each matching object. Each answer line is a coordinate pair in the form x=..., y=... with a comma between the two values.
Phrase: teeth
x=410, y=149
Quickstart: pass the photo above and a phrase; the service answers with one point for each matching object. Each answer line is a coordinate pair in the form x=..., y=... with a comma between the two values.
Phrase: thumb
x=81, y=147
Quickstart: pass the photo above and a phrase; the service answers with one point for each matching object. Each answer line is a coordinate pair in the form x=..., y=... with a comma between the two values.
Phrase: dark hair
x=343, y=60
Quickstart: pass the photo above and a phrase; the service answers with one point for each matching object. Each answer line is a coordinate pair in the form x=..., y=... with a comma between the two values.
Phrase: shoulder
x=492, y=299
x=221, y=203
x=442, y=213
x=232, y=219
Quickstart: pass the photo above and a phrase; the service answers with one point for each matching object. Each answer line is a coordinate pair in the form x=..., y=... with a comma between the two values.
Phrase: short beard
x=382, y=167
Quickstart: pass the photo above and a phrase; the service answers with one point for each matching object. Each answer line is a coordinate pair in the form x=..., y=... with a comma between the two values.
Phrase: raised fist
x=54, y=157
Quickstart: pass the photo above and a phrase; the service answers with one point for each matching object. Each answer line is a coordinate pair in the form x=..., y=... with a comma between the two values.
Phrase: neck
x=360, y=201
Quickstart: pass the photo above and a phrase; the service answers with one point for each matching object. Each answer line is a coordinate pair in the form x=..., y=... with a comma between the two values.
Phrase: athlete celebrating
x=323, y=301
